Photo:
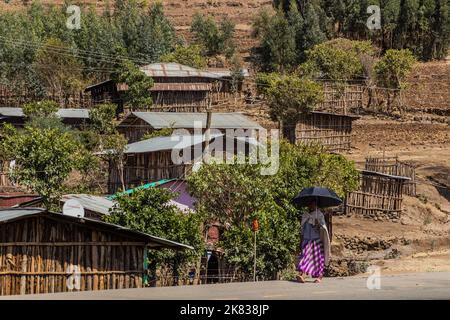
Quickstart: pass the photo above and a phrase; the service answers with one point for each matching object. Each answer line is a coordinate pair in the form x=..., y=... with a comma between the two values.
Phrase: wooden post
x=208, y=127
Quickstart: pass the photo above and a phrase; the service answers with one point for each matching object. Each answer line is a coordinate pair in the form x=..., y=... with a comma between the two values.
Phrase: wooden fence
x=379, y=195
x=333, y=131
x=395, y=167
x=341, y=99
x=43, y=255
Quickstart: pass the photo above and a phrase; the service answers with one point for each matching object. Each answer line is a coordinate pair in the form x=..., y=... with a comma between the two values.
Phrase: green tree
x=44, y=158
x=186, y=55
x=394, y=67
x=337, y=59
x=277, y=47
x=290, y=96
x=235, y=194
x=392, y=71
x=138, y=95
x=60, y=74
x=150, y=211
x=214, y=38
x=43, y=108
x=103, y=118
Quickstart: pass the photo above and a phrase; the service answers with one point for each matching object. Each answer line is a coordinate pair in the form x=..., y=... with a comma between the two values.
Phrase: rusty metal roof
x=176, y=70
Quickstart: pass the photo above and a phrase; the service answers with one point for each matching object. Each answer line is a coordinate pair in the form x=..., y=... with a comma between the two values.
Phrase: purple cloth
x=312, y=258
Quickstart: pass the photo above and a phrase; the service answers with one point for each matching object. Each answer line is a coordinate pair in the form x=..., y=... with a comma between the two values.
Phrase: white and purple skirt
x=312, y=258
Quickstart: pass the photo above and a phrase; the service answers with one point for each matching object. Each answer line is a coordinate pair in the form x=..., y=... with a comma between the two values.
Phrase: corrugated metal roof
x=103, y=205
x=176, y=142
x=145, y=186
x=175, y=70
x=9, y=215
x=186, y=120
x=379, y=174
x=12, y=214
x=62, y=113
x=91, y=202
x=181, y=87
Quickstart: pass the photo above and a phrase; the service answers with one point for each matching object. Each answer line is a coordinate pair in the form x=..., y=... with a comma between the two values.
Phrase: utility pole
x=208, y=126
x=255, y=228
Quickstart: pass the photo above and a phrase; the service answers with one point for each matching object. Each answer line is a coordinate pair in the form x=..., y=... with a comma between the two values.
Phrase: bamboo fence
x=43, y=255
x=330, y=130
x=393, y=166
x=378, y=195
x=341, y=100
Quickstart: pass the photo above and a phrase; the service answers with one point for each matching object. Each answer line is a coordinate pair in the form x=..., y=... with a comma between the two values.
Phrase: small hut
x=333, y=131
x=379, y=196
x=137, y=124
x=393, y=166
x=44, y=252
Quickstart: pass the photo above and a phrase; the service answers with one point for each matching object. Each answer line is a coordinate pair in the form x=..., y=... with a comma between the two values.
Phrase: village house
x=171, y=157
x=137, y=124
x=44, y=252
x=176, y=88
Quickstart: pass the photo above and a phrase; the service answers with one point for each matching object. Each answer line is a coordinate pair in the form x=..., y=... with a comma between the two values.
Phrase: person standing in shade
x=315, y=245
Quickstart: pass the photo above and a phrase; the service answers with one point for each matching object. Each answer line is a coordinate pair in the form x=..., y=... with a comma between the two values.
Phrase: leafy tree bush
x=394, y=67
x=186, y=55
x=213, y=38
x=337, y=60
x=102, y=118
x=59, y=74
x=149, y=211
x=138, y=95
x=235, y=194
x=43, y=108
x=44, y=158
x=391, y=72
x=290, y=96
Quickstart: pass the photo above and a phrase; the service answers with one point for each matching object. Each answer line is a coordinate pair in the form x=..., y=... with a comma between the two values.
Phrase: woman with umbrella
x=315, y=244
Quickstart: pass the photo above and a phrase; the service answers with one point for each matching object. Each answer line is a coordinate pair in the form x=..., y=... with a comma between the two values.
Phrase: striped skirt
x=312, y=258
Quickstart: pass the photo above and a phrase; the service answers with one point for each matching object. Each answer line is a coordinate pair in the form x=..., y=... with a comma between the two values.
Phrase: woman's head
x=312, y=205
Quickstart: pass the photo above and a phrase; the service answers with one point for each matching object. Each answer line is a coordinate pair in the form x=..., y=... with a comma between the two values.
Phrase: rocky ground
x=421, y=240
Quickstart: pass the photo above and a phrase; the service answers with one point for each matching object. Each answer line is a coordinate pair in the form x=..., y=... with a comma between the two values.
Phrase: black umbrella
x=324, y=197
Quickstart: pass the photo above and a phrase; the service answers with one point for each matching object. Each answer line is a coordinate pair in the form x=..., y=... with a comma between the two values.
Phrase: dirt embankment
x=421, y=241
